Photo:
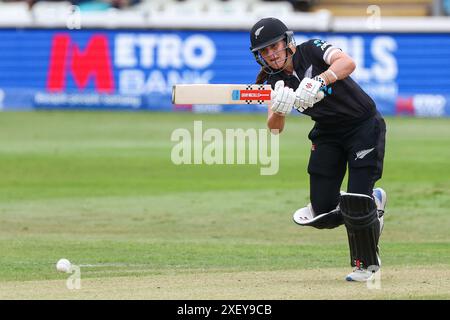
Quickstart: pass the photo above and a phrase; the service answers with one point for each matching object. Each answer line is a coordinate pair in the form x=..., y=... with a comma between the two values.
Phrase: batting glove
x=283, y=98
x=307, y=94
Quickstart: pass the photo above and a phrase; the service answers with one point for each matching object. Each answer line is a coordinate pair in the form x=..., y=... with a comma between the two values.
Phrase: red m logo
x=94, y=62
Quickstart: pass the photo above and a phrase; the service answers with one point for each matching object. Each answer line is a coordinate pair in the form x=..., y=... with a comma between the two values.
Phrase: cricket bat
x=221, y=94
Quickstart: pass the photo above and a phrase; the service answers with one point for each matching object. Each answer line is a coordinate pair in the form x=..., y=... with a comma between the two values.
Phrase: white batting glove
x=307, y=94
x=283, y=98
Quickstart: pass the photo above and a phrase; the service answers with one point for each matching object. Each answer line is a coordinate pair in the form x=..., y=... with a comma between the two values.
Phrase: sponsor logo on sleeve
x=323, y=45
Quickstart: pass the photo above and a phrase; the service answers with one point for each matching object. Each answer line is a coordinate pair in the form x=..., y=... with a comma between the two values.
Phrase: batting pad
x=363, y=229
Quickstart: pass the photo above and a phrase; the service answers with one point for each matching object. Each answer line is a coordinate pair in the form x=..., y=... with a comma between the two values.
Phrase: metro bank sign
x=135, y=69
x=129, y=63
x=94, y=63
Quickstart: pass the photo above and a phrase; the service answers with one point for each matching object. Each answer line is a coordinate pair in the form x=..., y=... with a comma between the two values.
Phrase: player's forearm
x=341, y=68
x=275, y=122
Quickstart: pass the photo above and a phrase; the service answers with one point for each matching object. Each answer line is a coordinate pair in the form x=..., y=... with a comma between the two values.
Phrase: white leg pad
x=307, y=217
x=304, y=216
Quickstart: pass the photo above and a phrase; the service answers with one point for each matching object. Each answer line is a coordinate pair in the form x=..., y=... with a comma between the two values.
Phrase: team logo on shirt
x=321, y=44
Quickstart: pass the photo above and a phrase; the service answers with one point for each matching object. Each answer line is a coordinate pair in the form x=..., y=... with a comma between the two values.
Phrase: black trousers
x=360, y=147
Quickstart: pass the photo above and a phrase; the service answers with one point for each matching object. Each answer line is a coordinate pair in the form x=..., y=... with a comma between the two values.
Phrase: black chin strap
x=267, y=69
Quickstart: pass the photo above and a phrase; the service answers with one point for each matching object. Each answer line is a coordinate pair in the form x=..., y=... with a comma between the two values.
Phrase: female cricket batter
x=314, y=78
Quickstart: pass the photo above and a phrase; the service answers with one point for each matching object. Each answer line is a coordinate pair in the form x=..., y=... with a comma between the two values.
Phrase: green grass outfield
x=100, y=189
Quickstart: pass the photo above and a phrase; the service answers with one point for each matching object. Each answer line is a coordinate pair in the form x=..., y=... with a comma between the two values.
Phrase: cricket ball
x=63, y=265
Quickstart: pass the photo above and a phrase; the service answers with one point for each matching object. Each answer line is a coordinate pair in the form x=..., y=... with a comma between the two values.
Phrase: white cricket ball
x=63, y=265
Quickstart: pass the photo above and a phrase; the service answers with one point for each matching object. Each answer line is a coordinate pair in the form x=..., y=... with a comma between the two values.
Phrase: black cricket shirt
x=345, y=102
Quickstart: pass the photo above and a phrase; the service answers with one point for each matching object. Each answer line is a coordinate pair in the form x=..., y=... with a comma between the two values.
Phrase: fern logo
x=361, y=154
x=258, y=31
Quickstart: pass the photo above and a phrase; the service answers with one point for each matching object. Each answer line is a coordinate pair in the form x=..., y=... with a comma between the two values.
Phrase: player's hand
x=283, y=98
x=307, y=94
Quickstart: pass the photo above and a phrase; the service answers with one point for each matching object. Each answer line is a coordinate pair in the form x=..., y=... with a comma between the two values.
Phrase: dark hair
x=262, y=76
